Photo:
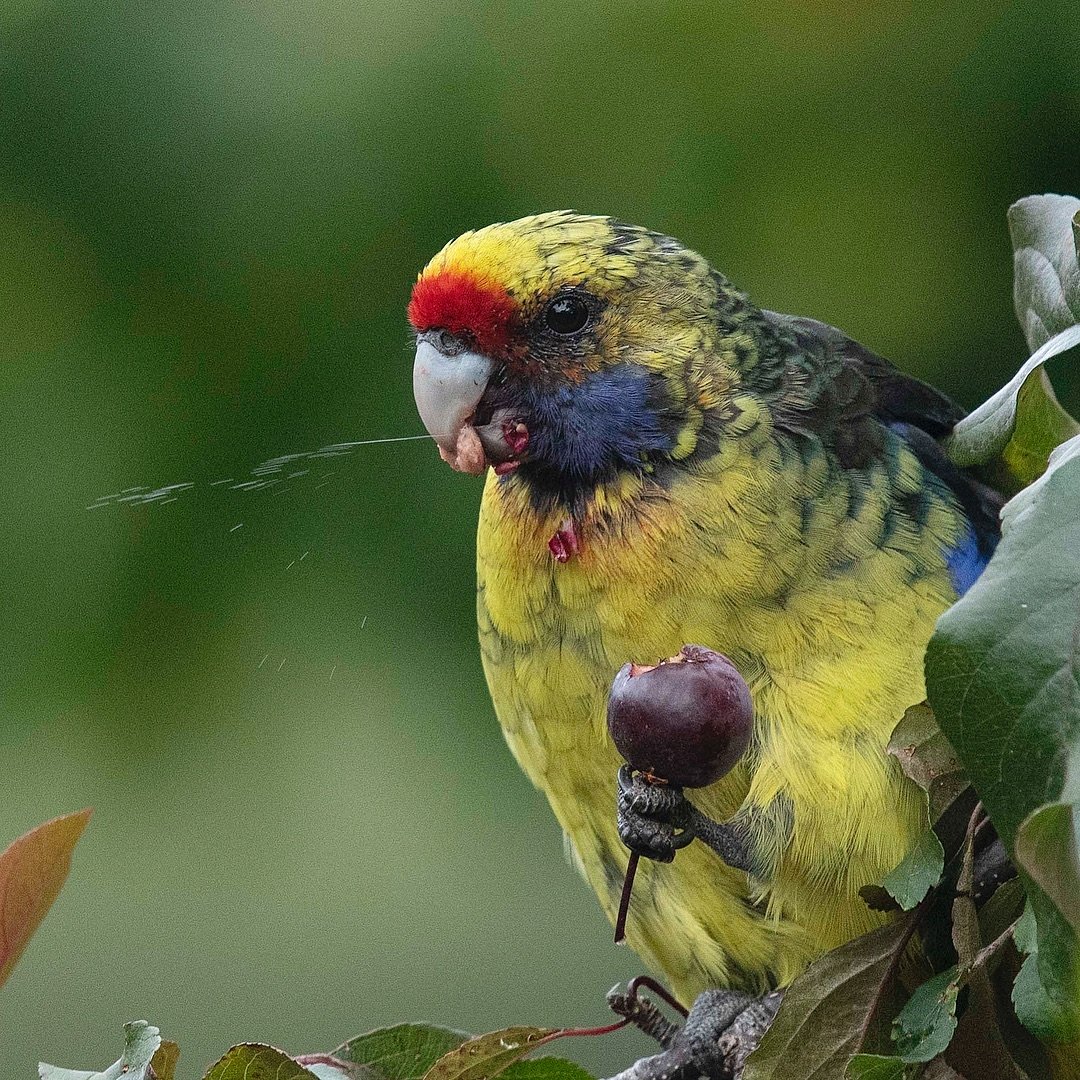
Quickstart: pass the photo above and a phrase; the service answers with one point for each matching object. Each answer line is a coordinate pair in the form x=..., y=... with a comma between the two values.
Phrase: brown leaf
x=32, y=871
x=834, y=1010
x=488, y=1055
x=163, y=1063
x=926, y=757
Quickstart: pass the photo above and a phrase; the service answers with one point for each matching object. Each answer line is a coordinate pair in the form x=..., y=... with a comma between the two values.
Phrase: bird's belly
x=693, y=920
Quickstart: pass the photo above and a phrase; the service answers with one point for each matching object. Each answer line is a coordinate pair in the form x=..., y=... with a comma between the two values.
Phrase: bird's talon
x=723, y=1027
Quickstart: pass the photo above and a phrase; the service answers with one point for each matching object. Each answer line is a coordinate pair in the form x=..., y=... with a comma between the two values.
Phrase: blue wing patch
x=965, y=562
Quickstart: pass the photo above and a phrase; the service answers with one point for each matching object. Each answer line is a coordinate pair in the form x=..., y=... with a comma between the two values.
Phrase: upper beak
x=448, y=389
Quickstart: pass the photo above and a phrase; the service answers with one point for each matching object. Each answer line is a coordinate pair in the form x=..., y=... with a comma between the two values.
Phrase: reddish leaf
x=32, y=871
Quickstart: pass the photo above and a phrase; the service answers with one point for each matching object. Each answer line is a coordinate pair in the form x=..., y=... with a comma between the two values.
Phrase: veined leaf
x=1002, y=672
x=1023, y=421
x=876, y=1067
x=401, y=1052
x=835, y=1010
x=164, y=1060
x=918, y=872
x=256, y=1061
x=926, y=757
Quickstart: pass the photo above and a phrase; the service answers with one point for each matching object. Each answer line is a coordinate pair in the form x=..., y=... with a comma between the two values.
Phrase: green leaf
x=1047, y=848
x=488, y=1055
x=256, y=1061
x=546, y=1068
x=1002, y=673
x=32, y=872
x=141, y=1043
x=401, y=1052
x=1024, y=421
x=919, y=871
x=1037, y=1011
x=876, y=1067
x=925, y=756
x=834, y=1010
x=1041, y=425
x=927, y=1022
x=1045, y=993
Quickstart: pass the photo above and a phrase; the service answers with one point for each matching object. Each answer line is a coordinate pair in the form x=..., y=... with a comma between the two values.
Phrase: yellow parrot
x=667, y=463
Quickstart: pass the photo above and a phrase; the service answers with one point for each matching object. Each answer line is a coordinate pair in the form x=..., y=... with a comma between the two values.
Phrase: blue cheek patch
x=965, y=562
x=606, y=422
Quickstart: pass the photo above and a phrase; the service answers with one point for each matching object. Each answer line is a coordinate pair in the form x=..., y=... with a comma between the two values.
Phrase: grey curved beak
x=447, y=390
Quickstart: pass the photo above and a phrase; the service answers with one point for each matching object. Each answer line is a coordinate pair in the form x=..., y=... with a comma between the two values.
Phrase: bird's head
x=568, y=348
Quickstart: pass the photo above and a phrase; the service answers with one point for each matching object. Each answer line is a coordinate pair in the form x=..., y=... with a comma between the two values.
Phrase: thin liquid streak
x=267, y=474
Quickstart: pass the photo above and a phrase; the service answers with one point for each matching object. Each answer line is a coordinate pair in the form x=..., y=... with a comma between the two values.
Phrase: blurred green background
x=211, y=212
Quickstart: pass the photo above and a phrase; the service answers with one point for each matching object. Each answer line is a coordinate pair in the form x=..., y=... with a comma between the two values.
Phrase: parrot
x=668, y=463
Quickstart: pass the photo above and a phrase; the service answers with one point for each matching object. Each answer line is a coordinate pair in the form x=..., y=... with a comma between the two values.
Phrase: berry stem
x=624, y=900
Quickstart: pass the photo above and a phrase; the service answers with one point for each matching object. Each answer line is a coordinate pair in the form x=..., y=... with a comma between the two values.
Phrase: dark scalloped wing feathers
x=843, y=392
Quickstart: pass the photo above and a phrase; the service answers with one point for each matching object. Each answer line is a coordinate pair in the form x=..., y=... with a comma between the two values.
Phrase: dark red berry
x=686, y=720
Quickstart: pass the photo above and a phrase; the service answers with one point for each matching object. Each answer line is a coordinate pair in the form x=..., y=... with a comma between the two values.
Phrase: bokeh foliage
x=210, y=215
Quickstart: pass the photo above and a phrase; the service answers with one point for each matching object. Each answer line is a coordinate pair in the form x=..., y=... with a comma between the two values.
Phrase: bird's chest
x=553, y=634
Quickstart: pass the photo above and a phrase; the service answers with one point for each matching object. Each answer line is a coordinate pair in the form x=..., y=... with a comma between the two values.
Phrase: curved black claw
x=655, y=820
x=652, y=818
x=722, y=1029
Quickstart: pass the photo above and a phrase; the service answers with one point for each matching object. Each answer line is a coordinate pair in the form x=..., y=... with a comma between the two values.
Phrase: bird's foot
x=652, y=817
x=655, y=820
x=723, y=1027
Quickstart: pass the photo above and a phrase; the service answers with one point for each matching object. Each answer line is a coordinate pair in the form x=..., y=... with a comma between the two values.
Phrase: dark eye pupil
x=567, y=314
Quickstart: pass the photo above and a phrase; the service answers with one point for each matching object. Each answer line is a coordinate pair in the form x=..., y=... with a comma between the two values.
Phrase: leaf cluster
x=402, y=1052
x=961, y=985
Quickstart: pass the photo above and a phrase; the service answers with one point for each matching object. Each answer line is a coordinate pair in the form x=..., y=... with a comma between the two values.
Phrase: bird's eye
x=566, y=314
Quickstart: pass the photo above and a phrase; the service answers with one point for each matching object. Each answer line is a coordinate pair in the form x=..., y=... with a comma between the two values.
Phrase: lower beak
x=447, y=391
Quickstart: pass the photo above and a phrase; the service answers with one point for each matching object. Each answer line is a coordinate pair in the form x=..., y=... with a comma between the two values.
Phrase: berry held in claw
x=686, y=720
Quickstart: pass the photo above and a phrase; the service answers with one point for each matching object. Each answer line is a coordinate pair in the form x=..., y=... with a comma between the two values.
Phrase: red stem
x=658, y=989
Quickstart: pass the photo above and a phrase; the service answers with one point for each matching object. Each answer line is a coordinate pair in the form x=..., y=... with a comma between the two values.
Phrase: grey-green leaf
x=1038, y=428
x=401, y=1052
x=328, y=1067
x=141, y=1041
x=1024, y=421
x=927, y=1022
x=1046, y=275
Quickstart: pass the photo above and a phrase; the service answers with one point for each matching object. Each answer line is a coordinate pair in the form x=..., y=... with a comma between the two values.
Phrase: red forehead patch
x=463, y=303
